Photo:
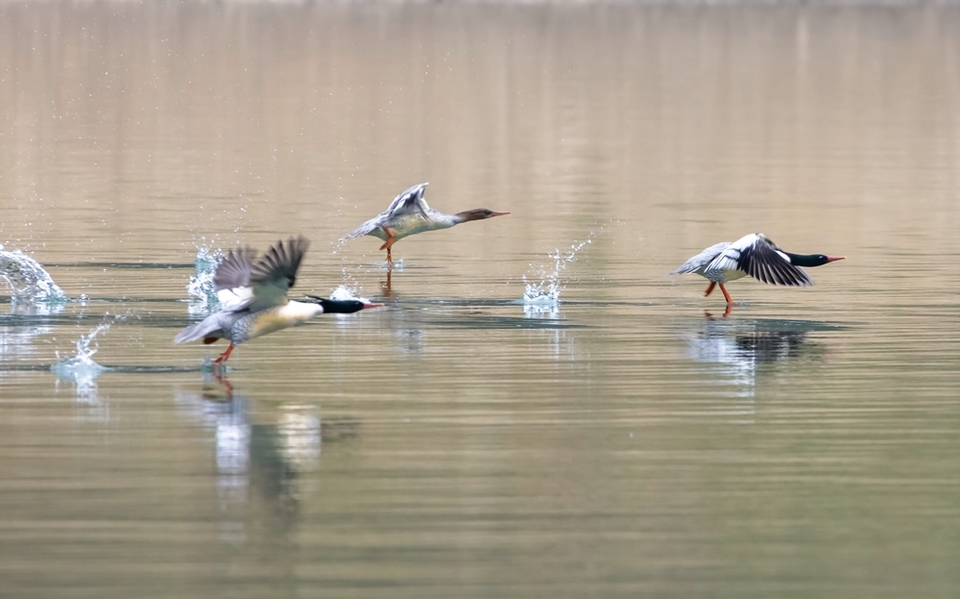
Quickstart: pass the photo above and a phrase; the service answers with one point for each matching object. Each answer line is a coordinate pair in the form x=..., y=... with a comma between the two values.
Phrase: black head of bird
x=332, y=306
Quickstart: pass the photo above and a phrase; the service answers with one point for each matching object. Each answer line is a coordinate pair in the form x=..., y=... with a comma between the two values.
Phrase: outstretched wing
x=276, y=272
x=232, y=279
x=235, y=269
x=764, y=261
x=409, y=202
x=701, y=260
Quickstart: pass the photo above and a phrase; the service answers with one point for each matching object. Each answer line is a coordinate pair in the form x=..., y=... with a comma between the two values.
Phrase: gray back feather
x=216, y=325
x=701, y=260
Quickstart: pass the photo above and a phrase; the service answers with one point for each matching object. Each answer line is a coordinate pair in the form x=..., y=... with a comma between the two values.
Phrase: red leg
x=225, y=355
x=226, y=384
x=709, y=288
x=391, y=238
x=725, y=294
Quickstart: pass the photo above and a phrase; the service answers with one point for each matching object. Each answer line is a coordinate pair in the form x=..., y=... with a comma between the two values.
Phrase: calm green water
x=629, y=442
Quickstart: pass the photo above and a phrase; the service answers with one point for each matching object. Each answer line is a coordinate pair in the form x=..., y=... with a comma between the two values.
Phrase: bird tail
x=684, y=269
x=364, y=229
x=204, y=328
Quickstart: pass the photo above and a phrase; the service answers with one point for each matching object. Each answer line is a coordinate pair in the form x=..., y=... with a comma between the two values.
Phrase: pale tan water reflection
x=457, y=444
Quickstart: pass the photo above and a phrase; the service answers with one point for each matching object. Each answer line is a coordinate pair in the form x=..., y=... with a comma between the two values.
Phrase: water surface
x=627, y=441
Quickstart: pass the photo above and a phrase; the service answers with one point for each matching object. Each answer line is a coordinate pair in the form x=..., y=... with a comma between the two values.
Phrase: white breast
x=282, y=317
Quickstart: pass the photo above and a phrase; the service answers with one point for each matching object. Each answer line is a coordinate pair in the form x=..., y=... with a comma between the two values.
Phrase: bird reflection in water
x=260, y=462
x=216, y=385
x=743, y=348
x=404, y=321
x=751, y=342
x=386, y=286
x=726, y=312
x=23, y=330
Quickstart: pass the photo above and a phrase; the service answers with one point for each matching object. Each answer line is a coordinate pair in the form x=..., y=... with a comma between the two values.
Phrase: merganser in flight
x=753, y=255
x=409, y=214
x=253, y=297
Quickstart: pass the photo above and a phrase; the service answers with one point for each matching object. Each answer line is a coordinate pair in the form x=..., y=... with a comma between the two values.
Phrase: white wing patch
x=728, y=260
x=233, y=300
x=748, y=241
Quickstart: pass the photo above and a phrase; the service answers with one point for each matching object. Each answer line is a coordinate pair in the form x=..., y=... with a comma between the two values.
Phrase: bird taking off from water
x=409, y=214
x=253, y=297
x=753, y=255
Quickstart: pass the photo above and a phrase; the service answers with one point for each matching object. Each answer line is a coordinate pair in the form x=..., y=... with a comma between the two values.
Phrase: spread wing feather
x=232, y=279
x=727, y=260
x=409, y=202
x=243, y=284
x=276, y=272
x=235, y=269
x=764, y=261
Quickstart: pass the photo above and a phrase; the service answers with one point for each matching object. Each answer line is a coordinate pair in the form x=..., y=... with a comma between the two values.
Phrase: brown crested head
x=478, y=214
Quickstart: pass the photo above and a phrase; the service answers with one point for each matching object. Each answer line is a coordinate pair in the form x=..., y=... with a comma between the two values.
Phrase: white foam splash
x=29, y=282
x=80, y=369
x=544, y=295
x=347, y=293
x=397, y=265
x=201, y=289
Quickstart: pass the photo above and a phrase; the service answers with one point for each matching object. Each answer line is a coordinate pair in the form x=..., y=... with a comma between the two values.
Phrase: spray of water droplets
x=201, y=289
x=344, y=292
x=80, y=369
x=544, y=292
x=29, y=282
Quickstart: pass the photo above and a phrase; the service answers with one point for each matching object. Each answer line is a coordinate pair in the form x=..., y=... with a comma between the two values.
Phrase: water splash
x=29, y=282
x=543, y=296
x=201, y=289
x=80, y=369
x=347, y=293
x=397, y=265
x=81, y=366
